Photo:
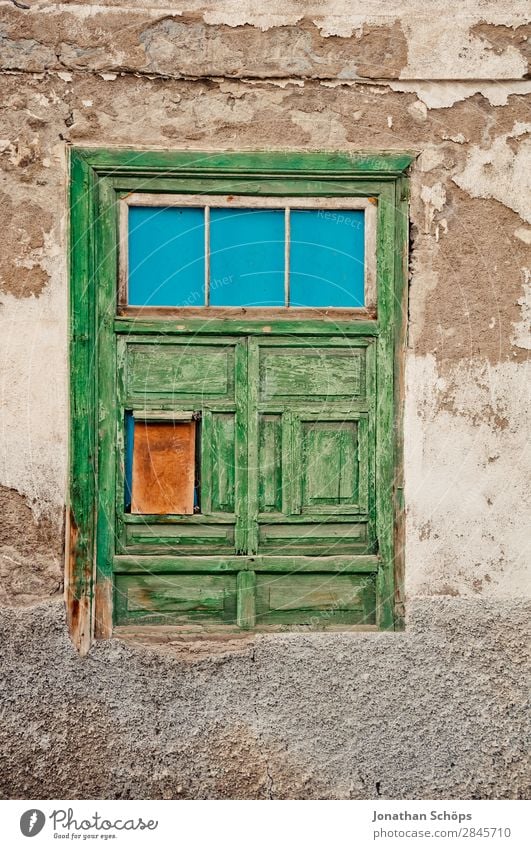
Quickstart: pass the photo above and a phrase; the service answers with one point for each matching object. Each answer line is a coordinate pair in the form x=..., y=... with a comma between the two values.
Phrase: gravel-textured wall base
x=434, y=712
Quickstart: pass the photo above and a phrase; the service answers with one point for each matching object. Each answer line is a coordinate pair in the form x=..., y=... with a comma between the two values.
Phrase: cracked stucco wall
x=299, y=715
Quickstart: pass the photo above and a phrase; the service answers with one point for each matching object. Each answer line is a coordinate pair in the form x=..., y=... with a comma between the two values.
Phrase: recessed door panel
x=315, y=600
x=176, y=599
x=270, y=463
x=311, y=374
x=186, y=371
x=329, y=463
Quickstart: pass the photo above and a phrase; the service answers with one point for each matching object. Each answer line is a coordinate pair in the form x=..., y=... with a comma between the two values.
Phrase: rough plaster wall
x=305, y=76
x=435, y=712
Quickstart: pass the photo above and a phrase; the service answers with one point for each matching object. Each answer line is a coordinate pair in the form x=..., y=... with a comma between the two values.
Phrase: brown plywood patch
x=163, y=467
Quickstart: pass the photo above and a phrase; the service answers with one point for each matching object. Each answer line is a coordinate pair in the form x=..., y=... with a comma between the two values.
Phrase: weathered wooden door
x=285, y=480
x=237, y=322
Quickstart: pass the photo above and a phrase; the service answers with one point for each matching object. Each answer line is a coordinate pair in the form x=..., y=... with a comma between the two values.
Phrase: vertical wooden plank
x=349, y=464
x=385, y=446
x=270, y=463
x=246, y=599
x=104, y=283
x=292, y=464
x=121, y=440
x=82, y=471
x=294, y=467
x=123, y=252
x=241, y=482
x=370, y=377
x=370, y=224
x=207, y=462
x=252, y=446
x=222, y=482
x=400, y=323
x=363, y=464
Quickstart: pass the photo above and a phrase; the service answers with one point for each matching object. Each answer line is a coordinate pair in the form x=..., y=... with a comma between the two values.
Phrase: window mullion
x=207, y=256
x=286, y=255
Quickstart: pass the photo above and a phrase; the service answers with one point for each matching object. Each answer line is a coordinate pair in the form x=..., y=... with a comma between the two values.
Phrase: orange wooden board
x=163, y=467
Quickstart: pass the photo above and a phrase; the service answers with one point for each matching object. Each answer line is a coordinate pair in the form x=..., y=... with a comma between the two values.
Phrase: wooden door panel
x=314, y=408
x=195, y=536
x=315, y=537
x=270, y=463
x=175, y=599
x=218, y=462
x=306, y=373
x=179, y=371
x=316, y=600
x=192, y=506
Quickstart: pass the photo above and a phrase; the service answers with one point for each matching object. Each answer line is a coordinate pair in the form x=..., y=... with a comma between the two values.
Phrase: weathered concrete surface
x=437, y=711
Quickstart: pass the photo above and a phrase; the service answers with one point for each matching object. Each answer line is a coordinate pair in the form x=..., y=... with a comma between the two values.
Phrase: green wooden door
x=283, y=533
x=297, y=412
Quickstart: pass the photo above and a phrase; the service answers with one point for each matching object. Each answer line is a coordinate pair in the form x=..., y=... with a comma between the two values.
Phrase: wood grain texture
x=174, y=599
x=81, y=533
x=105, y=296
x=163, y=467
x=383, y=164
x=317, y=600
x=347, y=563
x=246, y=599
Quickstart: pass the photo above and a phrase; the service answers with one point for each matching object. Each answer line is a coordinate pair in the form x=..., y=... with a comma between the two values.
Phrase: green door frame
x=98, y=179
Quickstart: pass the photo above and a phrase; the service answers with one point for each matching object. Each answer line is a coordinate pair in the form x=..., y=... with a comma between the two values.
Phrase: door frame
x=99, y=179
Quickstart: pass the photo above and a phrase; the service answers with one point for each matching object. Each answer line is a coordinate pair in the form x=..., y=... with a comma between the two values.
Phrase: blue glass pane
x=247, y=257
x=327, y=258
x=166, y=256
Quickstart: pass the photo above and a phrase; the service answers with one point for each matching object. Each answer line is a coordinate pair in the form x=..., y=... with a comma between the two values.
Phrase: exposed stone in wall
x=501, y=170
x=500, y=37
x=465, y=290
x=31, y=552
x=187, y=46
x=24, y=228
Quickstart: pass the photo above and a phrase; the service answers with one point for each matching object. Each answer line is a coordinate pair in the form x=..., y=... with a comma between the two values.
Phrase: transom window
x=192, y=251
